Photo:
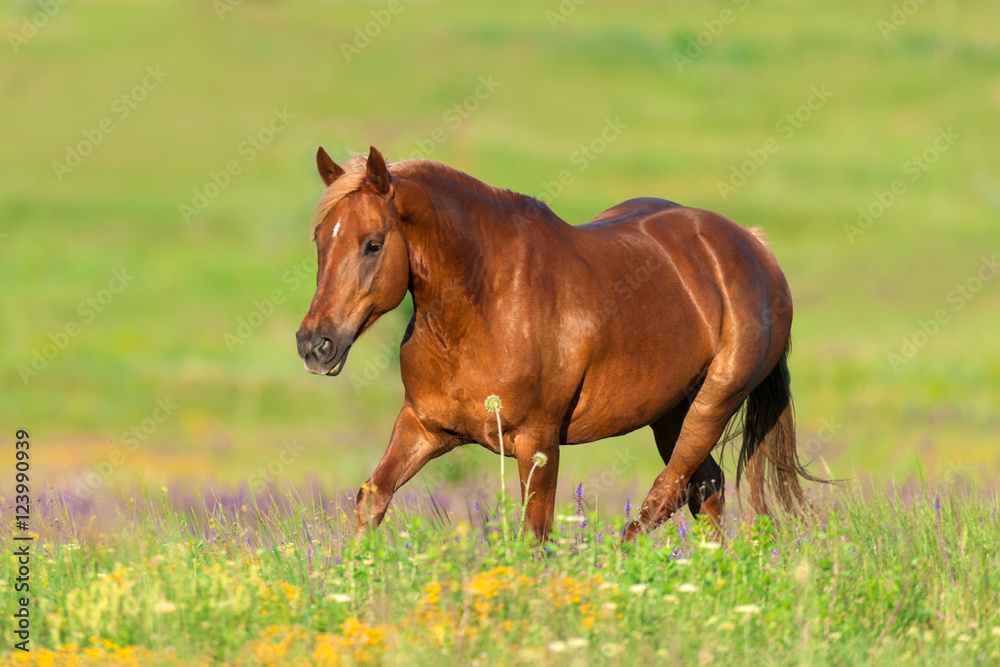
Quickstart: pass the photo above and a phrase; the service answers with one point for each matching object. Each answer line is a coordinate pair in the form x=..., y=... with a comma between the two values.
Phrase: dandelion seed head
x=492, y=403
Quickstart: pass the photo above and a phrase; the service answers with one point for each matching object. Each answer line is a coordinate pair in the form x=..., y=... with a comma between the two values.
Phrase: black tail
x=768, y=454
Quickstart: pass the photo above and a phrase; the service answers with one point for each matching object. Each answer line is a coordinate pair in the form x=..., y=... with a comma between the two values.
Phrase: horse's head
x=363, y=264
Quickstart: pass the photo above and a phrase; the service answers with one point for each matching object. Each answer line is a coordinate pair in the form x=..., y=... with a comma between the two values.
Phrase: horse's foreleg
x=410, y=448
x=539, y=495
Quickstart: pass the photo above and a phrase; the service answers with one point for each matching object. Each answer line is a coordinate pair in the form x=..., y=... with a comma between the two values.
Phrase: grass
x=902, y=576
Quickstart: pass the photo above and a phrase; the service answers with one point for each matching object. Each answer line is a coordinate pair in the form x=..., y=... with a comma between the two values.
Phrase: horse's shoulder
x=634, y=208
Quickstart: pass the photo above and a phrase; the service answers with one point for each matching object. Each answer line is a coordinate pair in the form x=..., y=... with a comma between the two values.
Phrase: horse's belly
x=638, y=381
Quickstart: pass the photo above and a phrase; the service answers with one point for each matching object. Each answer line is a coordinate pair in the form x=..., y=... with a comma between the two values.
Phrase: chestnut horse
x=652, y=314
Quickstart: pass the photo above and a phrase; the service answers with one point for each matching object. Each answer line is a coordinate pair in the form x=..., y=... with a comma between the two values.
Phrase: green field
x=155, y=192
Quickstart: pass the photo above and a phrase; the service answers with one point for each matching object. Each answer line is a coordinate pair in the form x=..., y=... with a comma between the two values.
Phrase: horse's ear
x=378, y=172
x=329, y=170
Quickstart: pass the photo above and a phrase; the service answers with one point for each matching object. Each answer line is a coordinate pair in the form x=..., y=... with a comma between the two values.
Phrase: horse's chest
x=447, y=384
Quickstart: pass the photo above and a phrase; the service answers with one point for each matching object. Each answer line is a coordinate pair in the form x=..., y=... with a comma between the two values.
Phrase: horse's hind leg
x=706, y=490
x=701, y=429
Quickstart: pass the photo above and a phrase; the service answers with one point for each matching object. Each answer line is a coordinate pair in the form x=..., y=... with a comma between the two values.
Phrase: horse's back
x=631, y=210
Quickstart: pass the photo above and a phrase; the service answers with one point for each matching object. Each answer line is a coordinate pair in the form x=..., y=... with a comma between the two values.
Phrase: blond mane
x=350, y=182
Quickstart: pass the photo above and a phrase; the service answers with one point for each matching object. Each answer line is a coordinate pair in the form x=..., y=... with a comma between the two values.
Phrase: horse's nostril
x=324, y=347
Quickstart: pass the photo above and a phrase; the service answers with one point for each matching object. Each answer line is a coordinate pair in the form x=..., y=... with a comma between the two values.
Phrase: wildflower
x=709, y=546
x=964, y=638
x=628, y=508
x=687, y=588
x=539, y=459
x=164, y=607
x=683, y=562
x=579, y=498
x=557, y=647
x=746, y=609
x=612, y=650
x=339, y=598
x=671, y=598
x=995, y=631
x=492, y=403
x=576, y=642
x=802, y=572
x=638, y=589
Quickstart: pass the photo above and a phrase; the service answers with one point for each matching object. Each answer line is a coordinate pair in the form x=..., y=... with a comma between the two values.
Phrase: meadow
x=192, y=482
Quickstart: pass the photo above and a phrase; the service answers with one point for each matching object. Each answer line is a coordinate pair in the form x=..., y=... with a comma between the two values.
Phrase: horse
x=653, y=314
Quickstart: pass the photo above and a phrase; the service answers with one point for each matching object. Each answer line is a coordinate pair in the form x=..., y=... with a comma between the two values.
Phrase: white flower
x=612, y=650
x=576, y=642
x=746, y=609
x=338, y=597
x=557, y=647
x=687, y=588
x=637, y=588
x=710, y=546
x=570, y=518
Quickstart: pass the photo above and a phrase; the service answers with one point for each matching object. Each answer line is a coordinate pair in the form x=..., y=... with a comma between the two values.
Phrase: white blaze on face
x=336, y=229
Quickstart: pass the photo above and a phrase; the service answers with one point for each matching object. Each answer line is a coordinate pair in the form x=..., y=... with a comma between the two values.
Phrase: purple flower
x=628, y=508
x=579, y=498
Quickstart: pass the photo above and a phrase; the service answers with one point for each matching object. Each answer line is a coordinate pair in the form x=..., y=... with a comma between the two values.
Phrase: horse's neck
x=450, y=230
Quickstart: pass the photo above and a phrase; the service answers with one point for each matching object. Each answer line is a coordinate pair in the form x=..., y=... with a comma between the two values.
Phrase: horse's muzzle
x=321, y=353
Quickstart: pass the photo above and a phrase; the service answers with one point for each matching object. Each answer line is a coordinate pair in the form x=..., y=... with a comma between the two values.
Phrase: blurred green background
x=694, y=85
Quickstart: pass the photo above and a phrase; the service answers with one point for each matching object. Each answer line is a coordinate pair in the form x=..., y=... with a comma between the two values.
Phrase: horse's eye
x=372, y=247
